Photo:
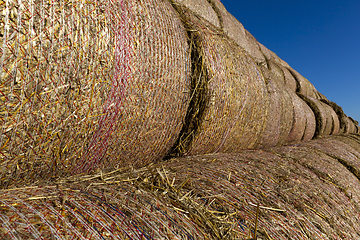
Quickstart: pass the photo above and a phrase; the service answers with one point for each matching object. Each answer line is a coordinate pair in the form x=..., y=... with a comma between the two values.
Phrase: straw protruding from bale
x=232, y=92
x=89, y=84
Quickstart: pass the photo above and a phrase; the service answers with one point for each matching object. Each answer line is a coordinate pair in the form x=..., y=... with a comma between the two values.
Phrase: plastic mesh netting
x=82, y=81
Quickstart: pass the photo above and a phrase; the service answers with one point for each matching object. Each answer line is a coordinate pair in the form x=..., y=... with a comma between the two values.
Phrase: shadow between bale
x=233, y=93
x=323, y=117
x=340, y=113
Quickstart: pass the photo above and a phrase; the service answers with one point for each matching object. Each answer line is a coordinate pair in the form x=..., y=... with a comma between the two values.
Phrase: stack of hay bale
x=99, y=89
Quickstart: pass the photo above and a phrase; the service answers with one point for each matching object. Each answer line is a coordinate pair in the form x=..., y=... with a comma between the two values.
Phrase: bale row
x=303, y=191
x=85, y=85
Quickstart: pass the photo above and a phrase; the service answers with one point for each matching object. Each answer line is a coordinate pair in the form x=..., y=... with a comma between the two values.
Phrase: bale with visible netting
x=231, y=90
x=347, y=153
x=277, y=181
x=304, y=124
x=277, y=71
x=102, y=211
x=280, y=115
x=290, y=81
x=324, y=120
x=88, y=84
x=290, y=192
x=340, y=114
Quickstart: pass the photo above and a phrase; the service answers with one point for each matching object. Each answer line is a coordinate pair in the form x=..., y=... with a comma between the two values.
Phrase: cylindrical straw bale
x=235, y=115
x=340, y=114
x=103, y=211
x=288, y=178
x=332, y=121
x=345, y=153
x=202, y=8
x=335, y=120
x=235, y=30
x=290, y=81
x=89, y=84
x=265, y=51
x=305, y=87
x=351, y=126
x=280, y=114
x=304, y=125
x=277, y=71
x=322, y=115
x=356, y=123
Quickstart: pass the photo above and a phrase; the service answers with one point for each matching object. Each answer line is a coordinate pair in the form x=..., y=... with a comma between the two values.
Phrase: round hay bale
x=290, y=81
x=103, y=211
x=332, y=121
x=275, y=181
x=304, y=86
x=340, y=114
x=355, y=123
x=235, y=30
x=327, y=168
x=90, y=84
x=202, y=8
x=335, y=120
x=277, y=71
x=350, y=125
x=322, y=115
x=350, y=140
x=265, y=51
x=344, y=153
x=280, y=114
x=235, y=95
x=304, y=124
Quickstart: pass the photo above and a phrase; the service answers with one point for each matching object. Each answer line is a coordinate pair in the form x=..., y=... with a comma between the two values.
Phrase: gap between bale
x=320, y=121
x=298, y=86
x=199, y=90
x=340, y=113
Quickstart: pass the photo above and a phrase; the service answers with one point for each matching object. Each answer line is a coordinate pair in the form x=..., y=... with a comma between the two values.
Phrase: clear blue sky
x=318, y=38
